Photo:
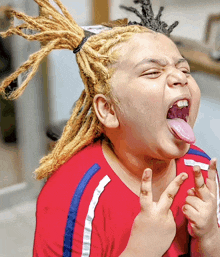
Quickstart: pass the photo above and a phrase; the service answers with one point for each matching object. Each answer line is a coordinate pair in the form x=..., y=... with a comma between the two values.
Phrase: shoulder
x=196, y=151
x=73, y=189
x=61, y=186
x=196, y=156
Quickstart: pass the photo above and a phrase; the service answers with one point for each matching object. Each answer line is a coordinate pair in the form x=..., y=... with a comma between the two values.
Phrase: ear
x=105, y=111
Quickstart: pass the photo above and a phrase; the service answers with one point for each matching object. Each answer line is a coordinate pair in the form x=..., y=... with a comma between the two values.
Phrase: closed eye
x=152, y=74
x=186, y=71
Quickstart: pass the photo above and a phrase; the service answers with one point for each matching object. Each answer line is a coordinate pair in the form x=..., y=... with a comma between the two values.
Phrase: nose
x=177, y=78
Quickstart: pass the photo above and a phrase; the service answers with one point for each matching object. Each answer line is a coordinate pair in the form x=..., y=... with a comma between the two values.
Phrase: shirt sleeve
x=49, y=233
x=69, y=231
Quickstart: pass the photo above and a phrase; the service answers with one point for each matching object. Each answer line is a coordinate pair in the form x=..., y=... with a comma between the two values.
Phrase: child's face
x=151, y=75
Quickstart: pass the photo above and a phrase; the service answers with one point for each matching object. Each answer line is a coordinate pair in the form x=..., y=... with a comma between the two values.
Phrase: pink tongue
x=182, y=130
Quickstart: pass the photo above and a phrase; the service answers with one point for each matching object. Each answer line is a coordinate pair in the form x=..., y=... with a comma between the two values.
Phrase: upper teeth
x=182, y=103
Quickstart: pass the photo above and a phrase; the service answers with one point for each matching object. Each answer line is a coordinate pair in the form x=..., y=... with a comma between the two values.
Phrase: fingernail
x=197, y=169
x=183, y=208
x=214, y=160
x=147, y=173
x=190, y=191
x=184, y=176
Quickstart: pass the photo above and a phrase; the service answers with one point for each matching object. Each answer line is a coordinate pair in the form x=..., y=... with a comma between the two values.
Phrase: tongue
x=182, y=130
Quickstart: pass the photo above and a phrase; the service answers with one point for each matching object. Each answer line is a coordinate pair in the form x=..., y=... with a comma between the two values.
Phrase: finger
x=191, y=191
x=212, y=174
x=212, y=169
x=191, y=213
x=212, y=186
x=195, y=202
x=170, y=192
x=200, y=187
x=146, y=196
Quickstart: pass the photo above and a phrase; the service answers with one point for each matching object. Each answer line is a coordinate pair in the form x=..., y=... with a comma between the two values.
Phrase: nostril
x=180, y=83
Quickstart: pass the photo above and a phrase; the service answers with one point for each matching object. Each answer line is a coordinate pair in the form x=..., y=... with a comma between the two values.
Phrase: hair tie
x=78, y=48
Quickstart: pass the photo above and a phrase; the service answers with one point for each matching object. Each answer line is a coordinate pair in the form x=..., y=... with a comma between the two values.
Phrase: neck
x=131, y=167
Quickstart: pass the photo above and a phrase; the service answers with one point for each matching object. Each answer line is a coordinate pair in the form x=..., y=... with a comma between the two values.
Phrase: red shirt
x=84, y=209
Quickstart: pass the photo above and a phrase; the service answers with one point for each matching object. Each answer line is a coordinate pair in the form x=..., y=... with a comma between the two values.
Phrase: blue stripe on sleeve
x=70, y=225
x=196, y=152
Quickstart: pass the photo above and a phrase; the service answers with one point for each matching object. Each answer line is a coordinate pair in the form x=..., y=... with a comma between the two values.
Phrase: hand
x=201, y=204
x=154, y=227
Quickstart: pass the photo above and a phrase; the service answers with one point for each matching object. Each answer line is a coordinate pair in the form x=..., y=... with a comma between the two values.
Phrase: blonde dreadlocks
x=57, y=31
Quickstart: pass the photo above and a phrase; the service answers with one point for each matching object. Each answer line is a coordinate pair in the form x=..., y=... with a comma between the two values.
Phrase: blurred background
x=47, y=102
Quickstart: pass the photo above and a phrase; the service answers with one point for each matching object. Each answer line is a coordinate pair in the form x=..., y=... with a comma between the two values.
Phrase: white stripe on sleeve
x=203, y=166
x=90, y=216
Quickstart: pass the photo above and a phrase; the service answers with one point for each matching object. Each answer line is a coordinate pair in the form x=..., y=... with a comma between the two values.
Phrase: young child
x=125, y=178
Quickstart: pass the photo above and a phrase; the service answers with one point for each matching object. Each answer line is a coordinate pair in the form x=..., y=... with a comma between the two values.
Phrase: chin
x=175, y=151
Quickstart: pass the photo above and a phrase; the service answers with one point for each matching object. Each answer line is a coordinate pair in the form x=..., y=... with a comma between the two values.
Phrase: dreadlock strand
x=49, y=9
x=96, y=44
x=134, y=29
x=77, y=108
x=61, y=22
x=98, y=66
x=33, y=62
x=147, y=18
x=28, y=19
x=148, y=7
x=71, y=129
x=115, y=40
x=89, y=89
x=84, y=64
x=47, y=165
x=170, y=29
x=94, y=54
x=6, y=82
x=43, y=36
x=14, y=31
x=48, y=23
x=85, y=136
x=77, y=118
x=52, y=35
x=63, y=46
x=132, y=9
x=65, y=11
x=64, y=149
x=68, y=20
x=159, y=13
x=84, y=128
x=109, y=44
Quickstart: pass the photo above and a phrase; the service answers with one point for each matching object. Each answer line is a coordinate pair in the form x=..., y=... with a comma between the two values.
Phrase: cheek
x=196, y=94
x=139, y=100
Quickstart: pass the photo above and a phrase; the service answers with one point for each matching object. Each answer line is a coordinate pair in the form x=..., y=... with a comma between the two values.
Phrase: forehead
x=154, y=46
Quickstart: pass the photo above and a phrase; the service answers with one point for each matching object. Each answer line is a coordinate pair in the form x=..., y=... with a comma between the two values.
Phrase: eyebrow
x=160, y=62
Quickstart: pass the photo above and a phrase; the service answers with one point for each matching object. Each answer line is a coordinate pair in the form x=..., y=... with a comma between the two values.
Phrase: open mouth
x=179, y=110
x=177, y=118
